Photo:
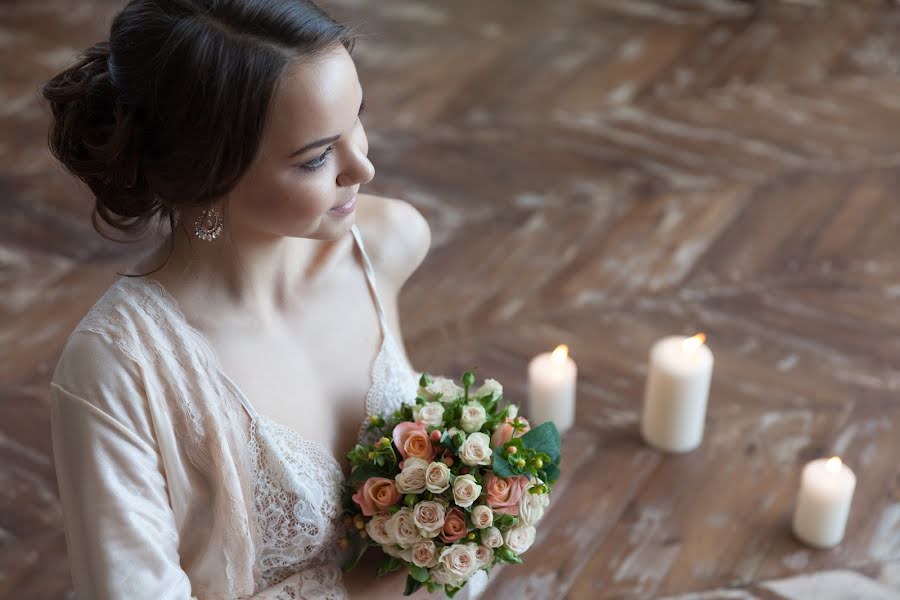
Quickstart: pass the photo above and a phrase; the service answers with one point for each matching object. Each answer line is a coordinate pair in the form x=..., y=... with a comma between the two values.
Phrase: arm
x=120, y=530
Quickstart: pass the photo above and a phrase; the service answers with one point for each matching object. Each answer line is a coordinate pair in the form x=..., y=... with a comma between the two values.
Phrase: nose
x=358, y=170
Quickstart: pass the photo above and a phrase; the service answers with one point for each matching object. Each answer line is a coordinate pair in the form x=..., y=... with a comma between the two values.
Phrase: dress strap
x=370, y=277
x=245, y=402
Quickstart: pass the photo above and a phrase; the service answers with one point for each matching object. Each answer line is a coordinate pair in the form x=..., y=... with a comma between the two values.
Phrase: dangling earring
x=209, y=224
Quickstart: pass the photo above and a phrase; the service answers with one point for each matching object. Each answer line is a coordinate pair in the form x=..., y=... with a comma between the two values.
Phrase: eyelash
x=319, y=162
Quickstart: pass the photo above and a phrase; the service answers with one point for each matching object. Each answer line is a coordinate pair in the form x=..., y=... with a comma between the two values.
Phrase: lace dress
x=171, y=484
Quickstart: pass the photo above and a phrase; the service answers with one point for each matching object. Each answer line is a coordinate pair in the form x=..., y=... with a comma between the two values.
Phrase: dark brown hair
x=170, y=111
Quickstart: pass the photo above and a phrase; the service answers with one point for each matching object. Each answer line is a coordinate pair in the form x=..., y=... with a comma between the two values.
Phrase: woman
x=202, y=409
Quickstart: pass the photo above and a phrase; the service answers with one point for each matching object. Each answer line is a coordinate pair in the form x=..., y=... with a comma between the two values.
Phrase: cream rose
x=402, y=528
x=439, y=575
x=484, y=556
x=411, y=480
x=441, y=385
x=473, y=417
x=428, y=516
x=378, y=530
x=482, y=516
x=491, y=537
x=519, y=538
x=437, y=477
x=513, y=411
x=476, y=450
x=466, y=490
x=431, y=414
x=459, y=561
x=490, y=386
x=531, y=506
x=424, y=554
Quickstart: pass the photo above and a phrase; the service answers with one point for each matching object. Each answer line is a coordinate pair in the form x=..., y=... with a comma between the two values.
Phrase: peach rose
x=454, y=526
x=412, y=439
x=377, y=495
x=503, y=493
x=505, y=431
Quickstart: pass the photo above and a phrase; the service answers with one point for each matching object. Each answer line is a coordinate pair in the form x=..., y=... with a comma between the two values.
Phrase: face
x=312, y=159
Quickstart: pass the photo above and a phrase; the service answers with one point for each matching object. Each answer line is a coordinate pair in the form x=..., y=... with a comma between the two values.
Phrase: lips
x=346, y=207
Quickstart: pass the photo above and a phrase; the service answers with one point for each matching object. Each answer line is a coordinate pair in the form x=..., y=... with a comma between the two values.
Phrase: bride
x=202, y=409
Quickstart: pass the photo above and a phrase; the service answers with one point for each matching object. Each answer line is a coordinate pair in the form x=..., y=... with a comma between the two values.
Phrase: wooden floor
x=598, y=173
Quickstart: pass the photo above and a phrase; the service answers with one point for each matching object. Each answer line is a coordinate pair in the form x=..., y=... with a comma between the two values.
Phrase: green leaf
x=420, y=574
x=501, y=467
x=552, y=473
x=544, y=438
x=364, y=472
x=388, y=565
x=451, y=591
x=411, y=586
x=351, y=564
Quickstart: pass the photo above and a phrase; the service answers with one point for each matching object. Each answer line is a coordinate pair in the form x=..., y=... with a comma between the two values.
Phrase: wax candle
x=823, y=502
x=676, y=393
x=551, y=388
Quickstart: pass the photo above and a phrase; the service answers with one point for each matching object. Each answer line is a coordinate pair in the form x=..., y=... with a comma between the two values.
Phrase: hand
x=362, y=584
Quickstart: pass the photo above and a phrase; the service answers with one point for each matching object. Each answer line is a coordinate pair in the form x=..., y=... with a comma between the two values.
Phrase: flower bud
x=539, y=464
x=512, y=450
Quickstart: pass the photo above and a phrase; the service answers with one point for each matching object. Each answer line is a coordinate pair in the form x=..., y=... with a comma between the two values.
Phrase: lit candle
x=676, y=394
x=823, y=502
x=551, y=389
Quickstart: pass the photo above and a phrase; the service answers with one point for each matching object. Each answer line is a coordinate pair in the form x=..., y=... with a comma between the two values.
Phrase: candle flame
x=560, y=355
x=695, y=342
x=833, y=464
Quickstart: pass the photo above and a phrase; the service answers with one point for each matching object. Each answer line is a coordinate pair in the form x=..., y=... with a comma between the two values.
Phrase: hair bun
x=97, y=138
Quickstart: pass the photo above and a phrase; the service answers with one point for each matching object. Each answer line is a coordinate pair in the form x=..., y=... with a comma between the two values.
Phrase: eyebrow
x=316, y=144
x=325, y=141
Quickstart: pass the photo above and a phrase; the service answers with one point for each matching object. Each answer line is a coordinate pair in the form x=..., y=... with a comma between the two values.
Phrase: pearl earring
x=209, y=224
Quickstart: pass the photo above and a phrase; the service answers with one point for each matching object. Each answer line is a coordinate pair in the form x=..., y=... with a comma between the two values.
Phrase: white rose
x=473, y=417
x=491, y=537
x=476, y=450
x=378, y=530
x=440, y=576
x=437, y=477
x=411, y=480
x=428, y=516
x=519, y=538
x=459, y=561
x=531, y=506
x=482, y=516
x=484, y=555
x=424, y=554
x=490, y=386
x=441, y=385
x=466, y=490
x=513, y=411
x=431, y=414
x=403, y=528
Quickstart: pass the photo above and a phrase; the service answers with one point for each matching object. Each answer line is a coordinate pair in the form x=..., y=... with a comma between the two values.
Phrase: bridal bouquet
x=456, y=483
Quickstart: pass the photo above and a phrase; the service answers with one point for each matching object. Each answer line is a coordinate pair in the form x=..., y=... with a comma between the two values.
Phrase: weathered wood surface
x=598, y=173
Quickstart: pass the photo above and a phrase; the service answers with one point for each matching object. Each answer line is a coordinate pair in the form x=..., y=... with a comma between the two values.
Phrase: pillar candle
x=551, y=389
x=823, y=502
x=676, y=393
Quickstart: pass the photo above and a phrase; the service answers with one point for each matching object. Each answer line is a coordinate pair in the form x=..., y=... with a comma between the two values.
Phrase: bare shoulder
x=396, y=236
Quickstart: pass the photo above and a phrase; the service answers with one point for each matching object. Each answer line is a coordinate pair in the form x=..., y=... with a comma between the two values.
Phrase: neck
x=256, y=275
